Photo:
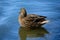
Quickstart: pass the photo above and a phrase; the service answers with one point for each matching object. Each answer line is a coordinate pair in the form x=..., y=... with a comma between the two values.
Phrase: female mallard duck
x=31, y=20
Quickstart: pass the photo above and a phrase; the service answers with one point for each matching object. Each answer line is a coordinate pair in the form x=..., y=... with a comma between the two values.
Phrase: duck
x=31, y=20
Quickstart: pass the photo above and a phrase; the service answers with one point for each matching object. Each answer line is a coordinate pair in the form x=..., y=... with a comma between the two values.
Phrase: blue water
x=9, y=11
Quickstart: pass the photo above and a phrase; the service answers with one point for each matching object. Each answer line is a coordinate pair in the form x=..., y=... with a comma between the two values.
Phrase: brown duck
x=31, y=20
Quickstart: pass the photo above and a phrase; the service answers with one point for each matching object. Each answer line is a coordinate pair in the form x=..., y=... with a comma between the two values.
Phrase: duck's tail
x=46, y=21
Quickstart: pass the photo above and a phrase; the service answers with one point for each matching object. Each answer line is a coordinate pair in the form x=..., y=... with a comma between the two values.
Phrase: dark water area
x=9, y=26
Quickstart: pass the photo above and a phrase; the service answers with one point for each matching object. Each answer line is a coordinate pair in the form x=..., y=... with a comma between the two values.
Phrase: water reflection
x=32, y=33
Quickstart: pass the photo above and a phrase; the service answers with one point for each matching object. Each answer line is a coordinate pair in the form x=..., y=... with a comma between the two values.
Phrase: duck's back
x=34, y=18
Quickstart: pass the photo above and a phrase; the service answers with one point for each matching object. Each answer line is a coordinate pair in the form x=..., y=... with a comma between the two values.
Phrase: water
x=9, y=11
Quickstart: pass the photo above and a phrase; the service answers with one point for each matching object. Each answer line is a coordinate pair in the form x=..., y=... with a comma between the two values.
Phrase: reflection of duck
x=31, y=20
x=30, y=33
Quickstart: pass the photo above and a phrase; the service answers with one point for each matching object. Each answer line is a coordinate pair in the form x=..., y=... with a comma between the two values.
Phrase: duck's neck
x=22, y=15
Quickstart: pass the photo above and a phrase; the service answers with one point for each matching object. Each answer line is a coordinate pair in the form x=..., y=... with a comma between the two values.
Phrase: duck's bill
x=44, y=22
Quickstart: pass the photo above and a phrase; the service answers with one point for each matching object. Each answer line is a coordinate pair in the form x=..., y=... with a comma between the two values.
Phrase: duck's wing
x=34, y=18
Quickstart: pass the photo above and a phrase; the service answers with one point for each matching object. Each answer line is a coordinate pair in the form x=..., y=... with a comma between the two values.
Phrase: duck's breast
x=21, y=21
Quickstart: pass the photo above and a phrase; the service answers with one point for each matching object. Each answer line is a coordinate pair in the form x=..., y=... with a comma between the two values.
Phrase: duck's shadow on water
x=32, y=32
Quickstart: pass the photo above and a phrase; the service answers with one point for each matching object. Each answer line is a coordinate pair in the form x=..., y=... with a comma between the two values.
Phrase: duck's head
x=23, y=12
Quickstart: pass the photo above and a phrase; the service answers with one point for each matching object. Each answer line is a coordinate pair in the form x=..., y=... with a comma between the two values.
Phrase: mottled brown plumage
x=30, y=20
